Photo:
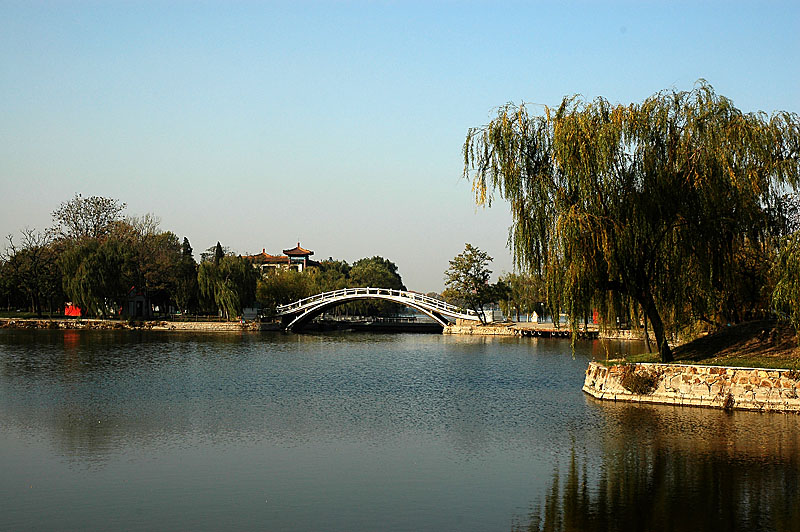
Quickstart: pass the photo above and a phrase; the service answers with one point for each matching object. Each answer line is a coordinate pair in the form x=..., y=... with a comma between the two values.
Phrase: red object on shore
x=72, y=310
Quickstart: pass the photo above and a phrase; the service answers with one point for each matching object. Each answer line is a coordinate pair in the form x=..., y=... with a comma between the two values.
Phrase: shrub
x=729, y=402
x=638, y=380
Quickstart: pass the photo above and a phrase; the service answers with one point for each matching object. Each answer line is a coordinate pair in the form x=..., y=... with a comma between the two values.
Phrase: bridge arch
x=295, y=315
x=301, y=320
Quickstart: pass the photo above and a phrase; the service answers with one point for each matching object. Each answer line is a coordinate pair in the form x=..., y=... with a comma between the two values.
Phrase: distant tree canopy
x=95, y=258
x=524, y=295
x=331, y=275
x=654, y=203
x=29, y=271
x=375, y=272
x=186, y=289
x=282, y=286
x=111, y=265
x=99, y=273
x=90, y=217
x=215, y=253
x=229, y=283
x=467, y=281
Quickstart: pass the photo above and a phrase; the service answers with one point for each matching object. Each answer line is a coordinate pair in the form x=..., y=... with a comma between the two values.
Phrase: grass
x=13, y=314
x=756, y=344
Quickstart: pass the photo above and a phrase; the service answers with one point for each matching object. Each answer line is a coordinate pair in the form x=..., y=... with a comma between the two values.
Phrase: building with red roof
x=296, y=258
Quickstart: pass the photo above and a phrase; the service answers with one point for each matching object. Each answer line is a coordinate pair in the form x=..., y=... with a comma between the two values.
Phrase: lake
x=108, y=430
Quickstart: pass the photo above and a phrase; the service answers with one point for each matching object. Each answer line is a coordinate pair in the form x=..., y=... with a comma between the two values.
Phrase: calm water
x=110, y=430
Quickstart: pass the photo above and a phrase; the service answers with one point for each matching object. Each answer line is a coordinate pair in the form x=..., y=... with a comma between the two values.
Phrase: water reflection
x=671, y=468
x=96, y=392
x=362, y=432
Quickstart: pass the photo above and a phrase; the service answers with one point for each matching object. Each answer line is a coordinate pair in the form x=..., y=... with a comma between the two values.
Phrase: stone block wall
x=480, y=330
x=709, y=386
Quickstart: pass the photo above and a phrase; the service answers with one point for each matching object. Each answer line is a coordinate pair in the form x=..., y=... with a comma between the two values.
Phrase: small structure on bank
x=72, y=310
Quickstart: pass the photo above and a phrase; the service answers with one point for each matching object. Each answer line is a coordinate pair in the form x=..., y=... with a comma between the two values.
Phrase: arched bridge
x=296, y=315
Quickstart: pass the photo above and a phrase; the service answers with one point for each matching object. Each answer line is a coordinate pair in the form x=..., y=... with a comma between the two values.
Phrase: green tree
x=157, y=257
x=185, y=291
x=524, y=296
x=31, y=270
x=467, y=281
x=98, y=274
x=284, y=285
x=650, y=201
x=230, y=284
x=8, y=292
x=159, y=264
x=331, y=275
x=375, y=272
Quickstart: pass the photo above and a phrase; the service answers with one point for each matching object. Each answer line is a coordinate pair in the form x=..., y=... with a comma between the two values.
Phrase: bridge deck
x=398, y=296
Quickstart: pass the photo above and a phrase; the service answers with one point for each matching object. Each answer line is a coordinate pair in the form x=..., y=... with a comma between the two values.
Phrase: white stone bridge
x=295, y=315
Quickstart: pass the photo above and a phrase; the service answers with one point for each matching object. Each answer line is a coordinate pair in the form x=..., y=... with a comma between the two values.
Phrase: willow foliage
x=646, y=203
x=786, y=295
x=230, y=284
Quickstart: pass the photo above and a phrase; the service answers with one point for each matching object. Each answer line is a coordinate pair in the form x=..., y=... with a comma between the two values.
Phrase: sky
x=336, y=124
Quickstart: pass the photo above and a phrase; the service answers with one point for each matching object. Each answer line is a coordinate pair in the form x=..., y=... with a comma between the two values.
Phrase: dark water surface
x=107, y=430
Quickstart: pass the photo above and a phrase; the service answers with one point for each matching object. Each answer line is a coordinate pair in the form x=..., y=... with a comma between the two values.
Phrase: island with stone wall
x=776, y=390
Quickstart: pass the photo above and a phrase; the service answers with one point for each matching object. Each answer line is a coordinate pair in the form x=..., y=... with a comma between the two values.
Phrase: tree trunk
x=479, y=311
x=649, y=306
x=646, y=334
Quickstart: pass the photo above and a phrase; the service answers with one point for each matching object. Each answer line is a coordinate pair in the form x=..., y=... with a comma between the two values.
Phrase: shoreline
x=506, y=329
x=147, y=325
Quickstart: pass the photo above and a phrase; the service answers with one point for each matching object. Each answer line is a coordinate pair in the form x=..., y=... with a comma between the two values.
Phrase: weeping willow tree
x=229, y=283
x=644, y=205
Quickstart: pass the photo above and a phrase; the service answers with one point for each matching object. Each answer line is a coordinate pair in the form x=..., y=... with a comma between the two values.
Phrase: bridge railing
x=414, y=296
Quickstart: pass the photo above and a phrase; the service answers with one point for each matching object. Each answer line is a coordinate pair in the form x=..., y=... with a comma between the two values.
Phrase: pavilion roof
x=297, y=251
x=266, y=258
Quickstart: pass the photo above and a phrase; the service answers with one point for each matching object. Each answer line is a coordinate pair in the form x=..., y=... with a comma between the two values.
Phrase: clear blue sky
x=339, y=124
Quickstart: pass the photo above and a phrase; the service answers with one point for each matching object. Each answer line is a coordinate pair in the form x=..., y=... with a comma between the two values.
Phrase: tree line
x=98, y=259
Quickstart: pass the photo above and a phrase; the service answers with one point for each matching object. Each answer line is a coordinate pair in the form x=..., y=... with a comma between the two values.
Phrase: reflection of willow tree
x=653, y=487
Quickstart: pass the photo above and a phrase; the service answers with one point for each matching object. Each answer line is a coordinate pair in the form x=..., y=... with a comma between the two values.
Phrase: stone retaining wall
x=524, y=329
x=480, y=330
x=709, y=386
x=205, y=326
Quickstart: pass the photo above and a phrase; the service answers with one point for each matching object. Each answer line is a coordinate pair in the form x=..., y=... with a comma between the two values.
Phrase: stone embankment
x=480, y=330
x=546, y=330
x=153, y=325
x=762, y=390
